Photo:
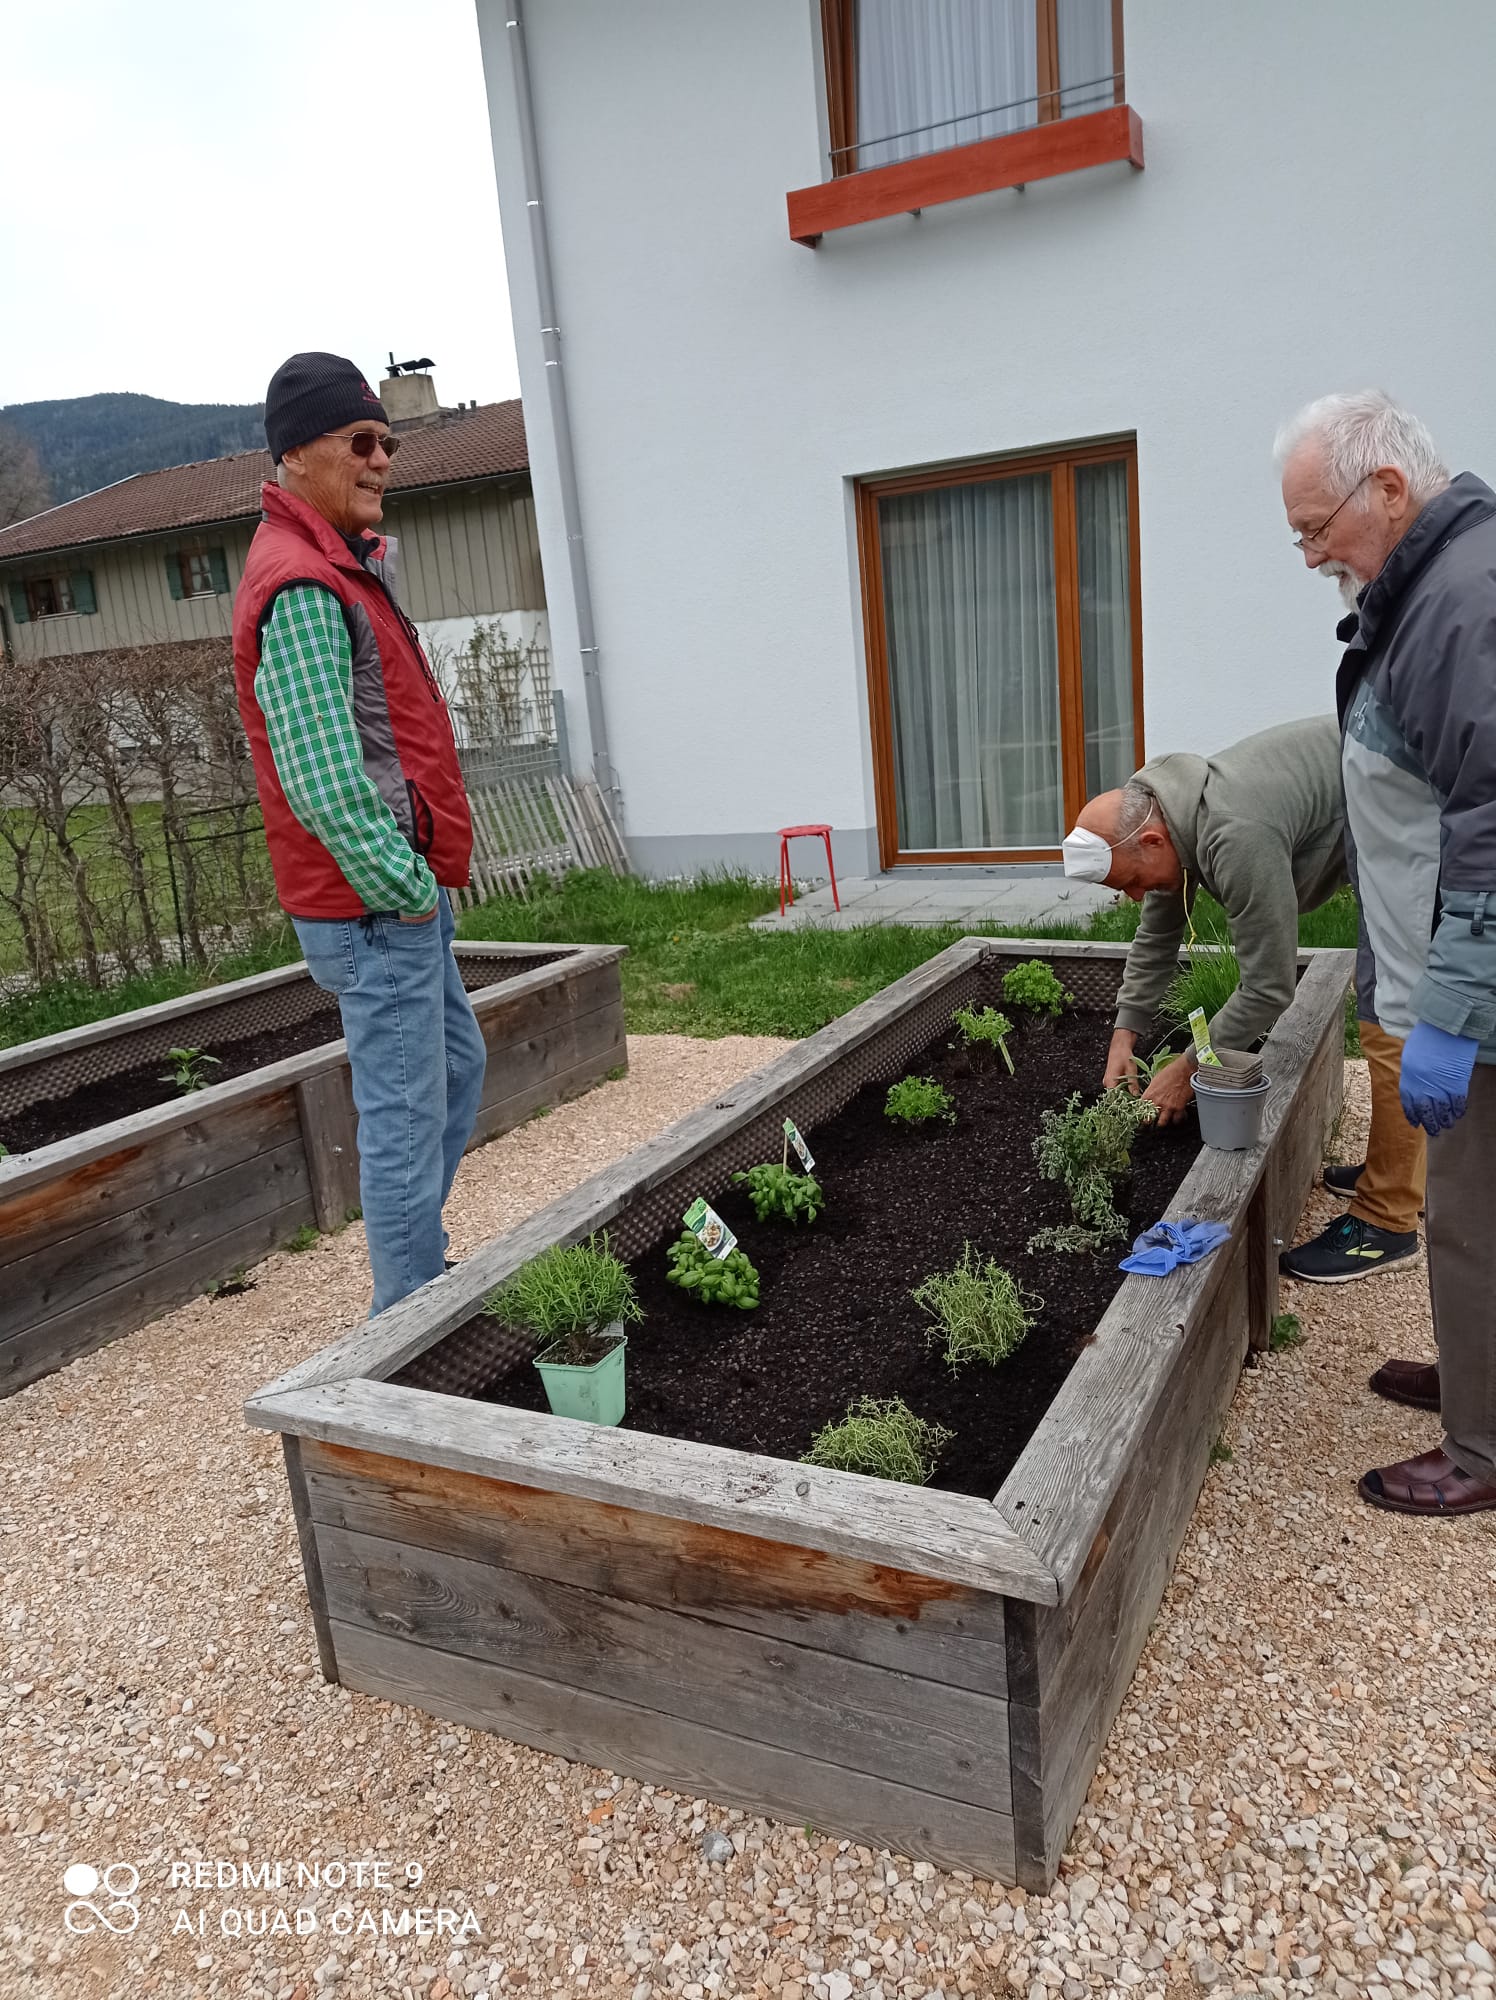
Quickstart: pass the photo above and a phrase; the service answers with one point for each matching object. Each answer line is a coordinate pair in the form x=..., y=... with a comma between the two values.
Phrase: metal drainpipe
x=555, y=375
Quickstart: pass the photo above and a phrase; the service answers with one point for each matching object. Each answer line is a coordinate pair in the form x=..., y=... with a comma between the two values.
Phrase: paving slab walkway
x=1009, y=900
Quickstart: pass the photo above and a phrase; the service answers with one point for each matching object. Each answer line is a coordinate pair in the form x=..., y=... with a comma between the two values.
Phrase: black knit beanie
x=313, y=393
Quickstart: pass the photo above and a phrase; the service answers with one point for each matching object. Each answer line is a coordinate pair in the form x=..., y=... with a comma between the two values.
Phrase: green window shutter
x=19, y=609
x=174, y=575
x=218, y=564
x=81, y=585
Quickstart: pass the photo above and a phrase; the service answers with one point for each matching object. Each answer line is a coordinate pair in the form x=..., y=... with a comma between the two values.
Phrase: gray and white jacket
x=1416, y=695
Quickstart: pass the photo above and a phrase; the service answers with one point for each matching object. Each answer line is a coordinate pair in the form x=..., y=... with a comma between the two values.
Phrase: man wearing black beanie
x=366, y=817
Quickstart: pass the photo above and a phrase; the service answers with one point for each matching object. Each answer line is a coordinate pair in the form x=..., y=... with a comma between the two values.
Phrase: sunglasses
x=362, y=443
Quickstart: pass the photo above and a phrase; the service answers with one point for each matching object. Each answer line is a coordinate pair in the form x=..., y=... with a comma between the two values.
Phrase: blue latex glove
x=1435, y=1079
x=1166, y=1245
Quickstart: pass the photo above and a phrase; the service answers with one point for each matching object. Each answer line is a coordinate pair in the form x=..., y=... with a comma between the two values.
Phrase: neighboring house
x=157, y=558
x=922, y=433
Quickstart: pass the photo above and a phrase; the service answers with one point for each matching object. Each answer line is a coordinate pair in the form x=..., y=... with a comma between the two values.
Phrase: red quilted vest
x=294, y=544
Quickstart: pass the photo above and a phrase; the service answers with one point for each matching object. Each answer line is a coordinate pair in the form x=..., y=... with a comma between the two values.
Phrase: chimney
x=409, y=394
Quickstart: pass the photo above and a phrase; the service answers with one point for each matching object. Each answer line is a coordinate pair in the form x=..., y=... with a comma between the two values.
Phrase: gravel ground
x=1298, y=1797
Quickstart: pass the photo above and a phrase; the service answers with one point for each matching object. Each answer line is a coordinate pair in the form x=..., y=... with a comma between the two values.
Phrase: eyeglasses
x=1318, y=534
x=362, y=443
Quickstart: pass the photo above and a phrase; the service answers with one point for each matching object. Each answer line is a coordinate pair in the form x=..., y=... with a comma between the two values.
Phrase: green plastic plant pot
x=593, y=1394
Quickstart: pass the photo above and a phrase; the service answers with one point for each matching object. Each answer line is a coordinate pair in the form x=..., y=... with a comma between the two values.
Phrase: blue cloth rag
x=1158, y=1250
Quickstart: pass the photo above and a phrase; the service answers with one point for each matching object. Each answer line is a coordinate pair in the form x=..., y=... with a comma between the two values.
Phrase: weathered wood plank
x=1063, y=1485
x=520, y=1062
x=502, y=1114
x=311, y=1563
x=693, y=1758
x=865, y=1611
x=887, y=1723
x=1083, y=1653
x=69, y=1204
x=41, y=1349
x=329, y=1125
x=942, y=1535
x=124, y=1249
x=412, y=1325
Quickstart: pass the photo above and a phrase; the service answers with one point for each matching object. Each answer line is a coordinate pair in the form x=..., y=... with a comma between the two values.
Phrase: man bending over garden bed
x=1261, y=827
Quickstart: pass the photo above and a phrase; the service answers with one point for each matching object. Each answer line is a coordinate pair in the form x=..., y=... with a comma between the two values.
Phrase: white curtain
x=1105, y=621
x=969, y=603
x=1085, y=55
x=923, y=61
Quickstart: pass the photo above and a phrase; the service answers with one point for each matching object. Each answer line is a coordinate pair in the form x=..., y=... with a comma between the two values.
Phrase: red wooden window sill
x=1064, y=146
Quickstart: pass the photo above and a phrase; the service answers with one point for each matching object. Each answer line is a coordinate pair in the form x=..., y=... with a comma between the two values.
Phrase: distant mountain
x=84, y=442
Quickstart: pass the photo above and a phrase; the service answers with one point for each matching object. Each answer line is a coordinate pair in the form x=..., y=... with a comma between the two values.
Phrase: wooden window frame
x=185, y=559
x=60, y=589
x=1067, y=633
x=839, y=61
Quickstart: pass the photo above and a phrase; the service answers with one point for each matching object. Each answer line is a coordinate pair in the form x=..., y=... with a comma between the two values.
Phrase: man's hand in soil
x=1170, y=1090
x=1120, y=1064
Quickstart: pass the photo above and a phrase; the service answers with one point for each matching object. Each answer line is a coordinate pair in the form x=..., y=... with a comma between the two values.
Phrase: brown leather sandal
x=1431, y=1485
x=1413, y=1382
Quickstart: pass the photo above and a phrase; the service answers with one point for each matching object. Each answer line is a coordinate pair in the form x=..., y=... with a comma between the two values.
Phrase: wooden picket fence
x=532, y=823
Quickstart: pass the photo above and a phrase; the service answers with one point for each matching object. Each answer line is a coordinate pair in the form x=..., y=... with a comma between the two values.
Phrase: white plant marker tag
x=792, y=1133
x=709, y=1229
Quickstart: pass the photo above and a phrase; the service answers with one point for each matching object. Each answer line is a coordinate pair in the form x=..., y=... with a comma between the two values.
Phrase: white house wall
x=1314, y=214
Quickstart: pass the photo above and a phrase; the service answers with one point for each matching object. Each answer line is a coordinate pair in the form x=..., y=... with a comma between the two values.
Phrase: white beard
x=1346, y=581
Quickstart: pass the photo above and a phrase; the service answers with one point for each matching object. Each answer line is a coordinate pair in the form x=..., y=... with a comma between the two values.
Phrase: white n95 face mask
x=1088, y=858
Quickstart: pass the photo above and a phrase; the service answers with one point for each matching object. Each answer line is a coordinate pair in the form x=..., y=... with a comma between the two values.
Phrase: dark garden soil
x=138, y=1089
x=836, y=1321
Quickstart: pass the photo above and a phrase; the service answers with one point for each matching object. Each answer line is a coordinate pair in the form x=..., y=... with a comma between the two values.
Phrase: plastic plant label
x=802, y=1151
x=711, y=1231
x=1204, y=1053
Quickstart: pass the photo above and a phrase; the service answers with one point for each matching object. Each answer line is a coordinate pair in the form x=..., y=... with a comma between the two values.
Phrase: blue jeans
x=417, y=1056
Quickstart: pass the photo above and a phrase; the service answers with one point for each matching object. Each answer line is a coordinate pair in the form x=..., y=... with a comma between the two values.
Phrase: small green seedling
x=883, y=1440
x=978, y=1309
x=305, y=1237
x=984, y=1028
x=1034, y=987
x=232, y=1286
x=774, y=1190
x=1286, y=1333
x=189, y=1069
x=914, y=1100
x=715, y=1281
x=567, y=1296
x=1089, y=1148
x=1220, y=1452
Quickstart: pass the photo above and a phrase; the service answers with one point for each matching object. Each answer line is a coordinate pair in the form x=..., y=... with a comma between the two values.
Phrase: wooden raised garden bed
x=105, y=1228
x=927, y=1670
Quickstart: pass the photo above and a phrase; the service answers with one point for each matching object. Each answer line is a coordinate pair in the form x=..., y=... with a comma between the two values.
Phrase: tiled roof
x=475, y=444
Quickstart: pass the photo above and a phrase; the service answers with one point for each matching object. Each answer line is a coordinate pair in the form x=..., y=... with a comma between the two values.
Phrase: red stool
x=786, y=835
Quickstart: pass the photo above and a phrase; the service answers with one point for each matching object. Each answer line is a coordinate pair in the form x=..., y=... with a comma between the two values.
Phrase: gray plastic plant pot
x=1230, y=1120
x=593, y=1394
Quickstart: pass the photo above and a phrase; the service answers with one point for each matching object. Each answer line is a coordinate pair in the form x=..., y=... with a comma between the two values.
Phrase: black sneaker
x=1349, y=1248
x=1342, y=1180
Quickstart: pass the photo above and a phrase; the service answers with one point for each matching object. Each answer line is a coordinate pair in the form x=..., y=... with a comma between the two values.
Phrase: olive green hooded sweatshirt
x=1261, y=827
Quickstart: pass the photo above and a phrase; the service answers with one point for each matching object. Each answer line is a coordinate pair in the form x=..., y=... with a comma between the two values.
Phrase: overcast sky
x=194, y=191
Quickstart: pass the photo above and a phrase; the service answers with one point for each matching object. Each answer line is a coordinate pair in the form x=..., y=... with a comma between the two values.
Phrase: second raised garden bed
x=132, y=1211
x=931, y=1669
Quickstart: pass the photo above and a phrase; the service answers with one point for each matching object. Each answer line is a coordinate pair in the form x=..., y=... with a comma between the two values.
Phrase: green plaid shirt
x=304, y=685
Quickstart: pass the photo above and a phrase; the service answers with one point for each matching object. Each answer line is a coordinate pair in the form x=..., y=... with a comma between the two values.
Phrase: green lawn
x=694, y=967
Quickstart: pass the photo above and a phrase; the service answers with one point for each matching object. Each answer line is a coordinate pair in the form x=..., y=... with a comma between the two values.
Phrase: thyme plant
x=979, y=1310
x=884, y=1440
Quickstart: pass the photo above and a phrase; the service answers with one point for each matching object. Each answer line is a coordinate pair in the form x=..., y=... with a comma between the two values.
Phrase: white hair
x=1359, y=432
x=1133, y=809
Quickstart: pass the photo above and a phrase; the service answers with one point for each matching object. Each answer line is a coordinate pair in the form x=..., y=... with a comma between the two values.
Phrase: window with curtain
x=906, y=77
x=1002, y=650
